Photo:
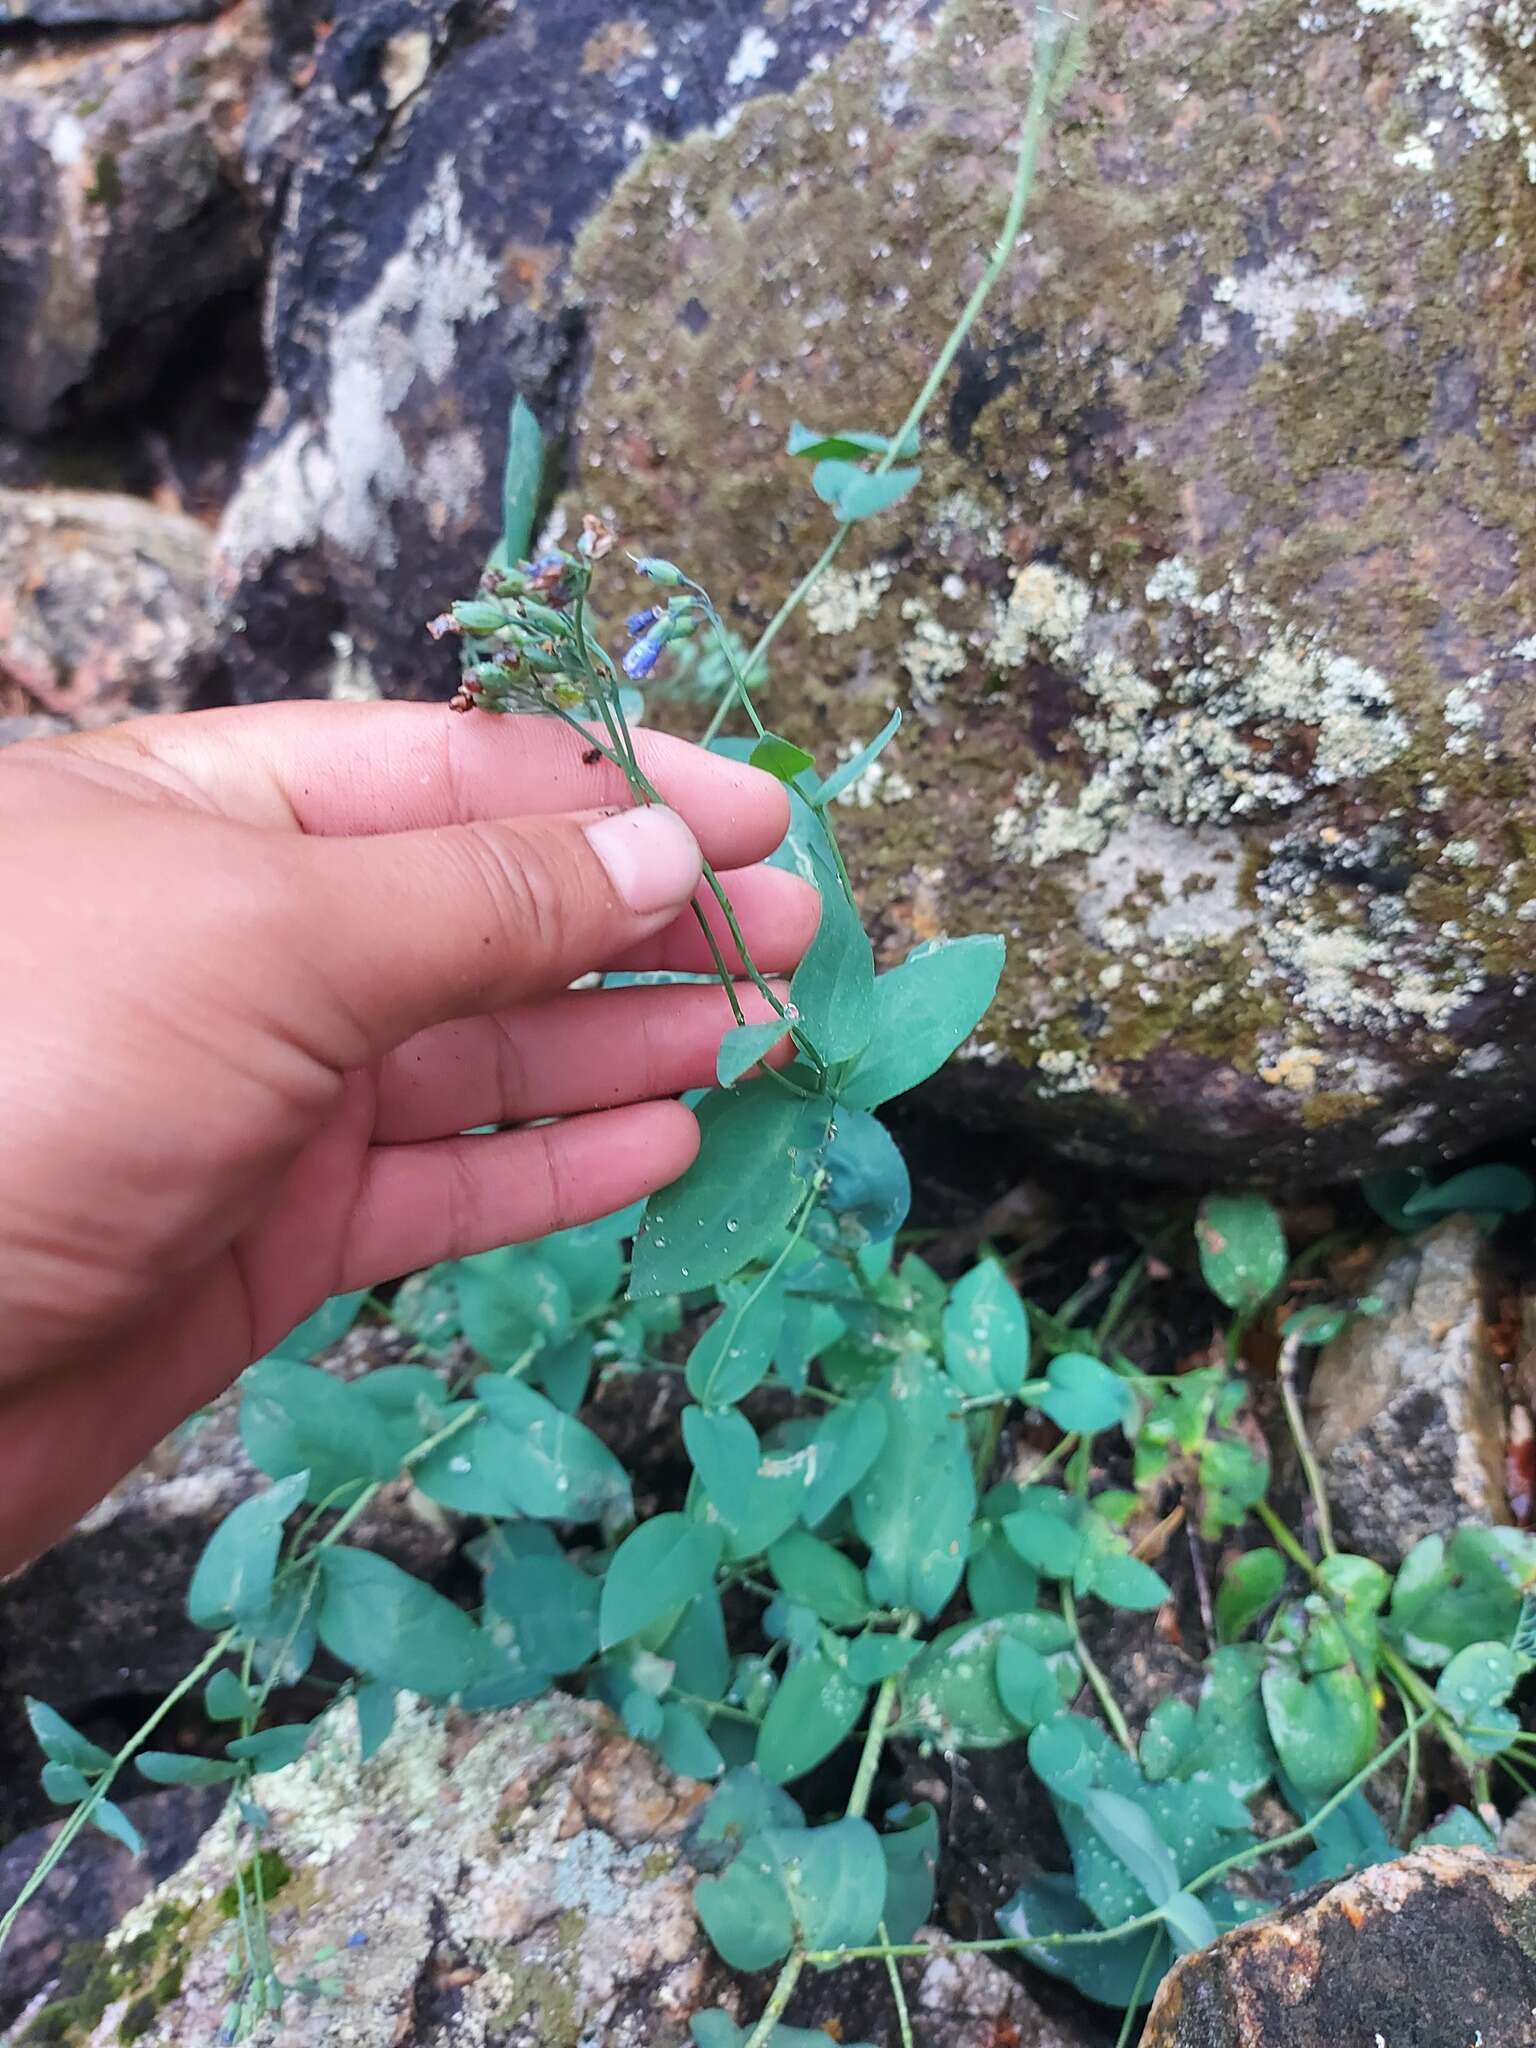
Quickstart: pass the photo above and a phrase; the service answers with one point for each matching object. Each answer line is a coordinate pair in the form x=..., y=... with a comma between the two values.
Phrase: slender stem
x=783, y=1991
x=81, y=1816
x=1120, y=1301
x=1049, y=57
x=898, y=1993
x=1094, y=1676
x=1050, y=1460
x=1000, y=1944
x=1138, y=1989
x=1306, y=1829
x=876, y=1733
x=1298, y=1428
x=797, y=1230
x=1411, y=1782
x=1285, y=1539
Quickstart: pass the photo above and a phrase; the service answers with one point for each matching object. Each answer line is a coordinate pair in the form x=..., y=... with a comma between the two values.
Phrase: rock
x=1210, y=605
x=519, y=1879
x=1406, y=1409
x=103, y=605
x=516, y=1878
x=14, y=730
x=103, y=13
x=1435, y=1948
x=91, y=1890
x=126, y=212
x=954, y=2001
x=442, y=164
x=103, y=1612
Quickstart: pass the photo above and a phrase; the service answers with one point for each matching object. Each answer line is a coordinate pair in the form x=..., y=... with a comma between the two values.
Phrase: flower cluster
x=525, y=648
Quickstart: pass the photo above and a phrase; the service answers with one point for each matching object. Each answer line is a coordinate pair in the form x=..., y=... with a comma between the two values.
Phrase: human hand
x=261, y=969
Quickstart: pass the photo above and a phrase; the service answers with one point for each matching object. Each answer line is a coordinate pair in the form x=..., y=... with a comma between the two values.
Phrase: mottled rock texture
x=1212, y=603
x=511, y=1880
x=92, y=1888
x=1435, y=1951
x=126, y=211
x=103, y=13
x=103, y=606
x=1407, y=1409
x=104, y=1612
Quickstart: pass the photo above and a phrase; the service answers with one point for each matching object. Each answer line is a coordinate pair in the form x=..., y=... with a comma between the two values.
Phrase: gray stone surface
x=104, y=606
x=1406, y=1409
x=126, y=211
x=93, y=1887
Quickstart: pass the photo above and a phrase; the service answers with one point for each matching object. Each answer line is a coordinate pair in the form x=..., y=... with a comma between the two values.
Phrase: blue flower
x=641, y=622
x=641, y=659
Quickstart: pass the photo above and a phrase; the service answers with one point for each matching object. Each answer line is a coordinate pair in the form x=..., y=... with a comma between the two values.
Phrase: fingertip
x=741, y=813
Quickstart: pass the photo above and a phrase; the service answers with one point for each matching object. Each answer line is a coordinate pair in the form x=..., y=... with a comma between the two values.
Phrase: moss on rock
x=1209, y=602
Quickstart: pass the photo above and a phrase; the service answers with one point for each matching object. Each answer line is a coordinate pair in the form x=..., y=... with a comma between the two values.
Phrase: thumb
x=415, y=928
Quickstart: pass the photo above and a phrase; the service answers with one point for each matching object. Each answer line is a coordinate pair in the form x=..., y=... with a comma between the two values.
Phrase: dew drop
x=460, y=1464
x=732, y=1225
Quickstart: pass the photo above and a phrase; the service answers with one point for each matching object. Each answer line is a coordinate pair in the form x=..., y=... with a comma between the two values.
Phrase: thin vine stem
x=1128, y=2024
x=80, y=1818
x=898, y=1994
x=1103, y=1691
x=1053, y=57
x=1097, y=1937
x=875, y=1736
x=1296, y=1422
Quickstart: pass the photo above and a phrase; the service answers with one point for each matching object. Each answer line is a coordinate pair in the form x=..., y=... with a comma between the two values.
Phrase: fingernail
x=652, y=859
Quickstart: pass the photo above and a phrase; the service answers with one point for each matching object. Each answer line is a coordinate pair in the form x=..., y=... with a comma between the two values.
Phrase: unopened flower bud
x=659, y=571
x=476, y=615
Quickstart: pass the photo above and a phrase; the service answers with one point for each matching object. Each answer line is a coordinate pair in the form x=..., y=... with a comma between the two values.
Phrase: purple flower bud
x=641, y=622
x=641, y=659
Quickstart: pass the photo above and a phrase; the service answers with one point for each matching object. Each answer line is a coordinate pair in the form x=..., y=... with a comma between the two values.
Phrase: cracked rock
x=1406, y=1408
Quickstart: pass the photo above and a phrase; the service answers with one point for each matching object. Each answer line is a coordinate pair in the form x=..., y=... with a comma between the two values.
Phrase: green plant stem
x=1411, y=1782
x=1049, y=57
x=783, y=1991
x=1128, y=2024
x=1094, y=1676
x=81, y=1816
x=1050, y=1459
x=877, y=1731
x=1285, y=1540
x=898, y=1993
x=1298, y=1428
x=1119, y=1301
x=858, y=1804
x=1000, y=1944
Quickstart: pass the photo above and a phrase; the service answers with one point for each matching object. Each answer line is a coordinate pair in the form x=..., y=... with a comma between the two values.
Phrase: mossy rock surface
x=519, y=1879
x=1212, y=609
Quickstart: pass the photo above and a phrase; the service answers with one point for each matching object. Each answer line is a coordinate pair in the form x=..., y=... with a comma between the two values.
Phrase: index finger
x=348, y=770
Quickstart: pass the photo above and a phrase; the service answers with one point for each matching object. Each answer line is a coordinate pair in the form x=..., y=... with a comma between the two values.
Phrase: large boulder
x=1209, y=606
x=126, y=208
x=1436, y=1948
